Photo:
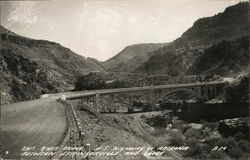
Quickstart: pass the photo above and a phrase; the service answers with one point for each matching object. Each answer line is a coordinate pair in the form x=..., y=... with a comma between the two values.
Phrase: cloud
x=22, y=15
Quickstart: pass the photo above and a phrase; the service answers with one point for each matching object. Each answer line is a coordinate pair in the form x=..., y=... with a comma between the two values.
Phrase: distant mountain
x=177, y=57
x=60, y=65
x=130, y=52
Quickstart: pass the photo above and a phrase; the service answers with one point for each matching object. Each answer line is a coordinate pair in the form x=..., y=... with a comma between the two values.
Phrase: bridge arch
x=181, y=89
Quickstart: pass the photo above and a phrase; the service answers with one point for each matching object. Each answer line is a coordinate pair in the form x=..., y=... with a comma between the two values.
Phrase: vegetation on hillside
x=130, y=52
x=104, y=80
x=207, y=142
x=25, y=78
x=225, y=58
x=33, y=67
x=221, y=30
x=238, y=90
x=167, y=62
x=95, y=81
x=228, y=25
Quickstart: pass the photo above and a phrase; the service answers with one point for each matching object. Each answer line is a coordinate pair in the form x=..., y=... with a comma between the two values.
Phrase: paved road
x=32, y=123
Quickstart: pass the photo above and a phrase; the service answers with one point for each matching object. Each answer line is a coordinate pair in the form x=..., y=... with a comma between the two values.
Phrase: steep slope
x=178, y=57
x=225, y=58
x=131, y=64
x=231, y=24
x=21, y=79
x=60, y=65
x=130, y=52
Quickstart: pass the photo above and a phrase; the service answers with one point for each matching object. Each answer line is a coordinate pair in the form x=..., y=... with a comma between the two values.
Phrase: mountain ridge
x=131, y=51
x=58, y=65
x=204, y=33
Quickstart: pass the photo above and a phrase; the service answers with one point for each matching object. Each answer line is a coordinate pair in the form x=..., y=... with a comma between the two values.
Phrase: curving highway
x=33, y=123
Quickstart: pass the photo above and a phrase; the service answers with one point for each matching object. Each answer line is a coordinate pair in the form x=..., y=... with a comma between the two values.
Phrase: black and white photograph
x=124, y=80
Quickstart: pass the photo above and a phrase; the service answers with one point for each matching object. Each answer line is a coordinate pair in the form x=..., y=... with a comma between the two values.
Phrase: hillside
x=179, y=56
x=224, y=58
x=60, y=65
x=130, y=52
x=231, y=24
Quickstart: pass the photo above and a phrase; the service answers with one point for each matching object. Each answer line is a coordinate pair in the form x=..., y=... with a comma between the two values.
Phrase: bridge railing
x=75, y=95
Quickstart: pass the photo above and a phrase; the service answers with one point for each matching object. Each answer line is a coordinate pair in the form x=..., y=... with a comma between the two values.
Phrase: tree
x=236, y=91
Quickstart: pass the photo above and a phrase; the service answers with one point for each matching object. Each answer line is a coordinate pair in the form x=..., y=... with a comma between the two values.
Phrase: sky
x=102, y=28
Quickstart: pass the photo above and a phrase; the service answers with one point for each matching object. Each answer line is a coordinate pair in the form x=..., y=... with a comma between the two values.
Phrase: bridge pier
x=157, y=96
x=199, y=91
x=97, y=101
x=215, y=91
x=205, y=92
x=151, y=100
x=131, y=104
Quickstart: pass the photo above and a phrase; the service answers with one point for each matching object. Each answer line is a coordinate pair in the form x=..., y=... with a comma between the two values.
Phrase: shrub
x=238, y=136
x=244, y=145
x=202, y=121
x=176, y=138
x=231, y=142
x=160, y=131
x=235, y=152
x=185, y=128
x=239, y=89
x=94, y=81
x=193, y=133
x=228, y=142
x=195, y=147
x=206, y=132
x=143, y=116
x=217, y=155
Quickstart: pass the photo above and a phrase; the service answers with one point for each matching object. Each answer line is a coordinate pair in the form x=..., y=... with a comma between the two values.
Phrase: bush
x=217, y=155
x=228, y=142
x=193, y=133
x=195, y=147
x=238, y=136
x=90, y=82
x=185, y=128
x=236, y=91
x=236, y=152
x=244, y=145
x=143, y=116
x=176, y=138
x=160, y=131
x=94, y=81
x=202, y=121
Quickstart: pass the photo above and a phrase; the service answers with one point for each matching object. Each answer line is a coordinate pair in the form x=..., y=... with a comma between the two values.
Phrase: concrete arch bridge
x=201, y=90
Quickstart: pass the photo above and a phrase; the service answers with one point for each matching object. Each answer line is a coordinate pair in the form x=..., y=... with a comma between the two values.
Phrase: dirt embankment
x=103, y=131
x=119, y=130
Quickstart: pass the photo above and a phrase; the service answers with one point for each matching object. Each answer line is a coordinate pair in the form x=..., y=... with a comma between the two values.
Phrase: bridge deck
x=80, y=94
